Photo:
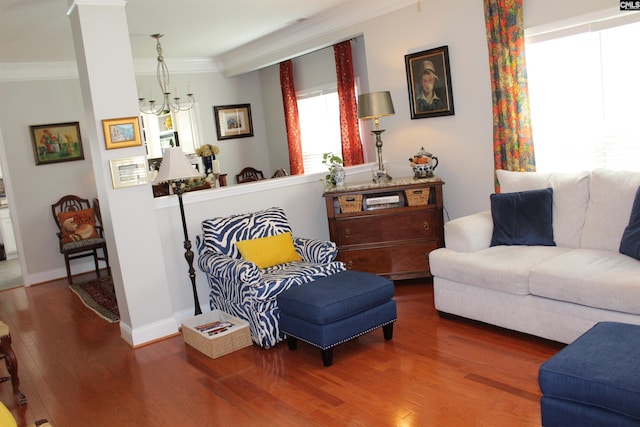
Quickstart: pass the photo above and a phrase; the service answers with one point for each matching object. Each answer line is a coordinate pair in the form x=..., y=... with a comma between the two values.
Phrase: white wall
x=276, y=131
x=461, y=142
x=35, y=188
x=213, y=89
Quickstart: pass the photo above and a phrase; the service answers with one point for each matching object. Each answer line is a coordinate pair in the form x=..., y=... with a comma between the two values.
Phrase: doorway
x=10, y=266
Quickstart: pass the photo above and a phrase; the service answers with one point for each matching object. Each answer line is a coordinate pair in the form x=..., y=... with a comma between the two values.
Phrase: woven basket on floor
x=235, y=338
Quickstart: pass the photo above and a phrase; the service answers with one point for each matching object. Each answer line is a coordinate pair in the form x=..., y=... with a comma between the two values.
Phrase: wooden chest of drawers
x=384, y=229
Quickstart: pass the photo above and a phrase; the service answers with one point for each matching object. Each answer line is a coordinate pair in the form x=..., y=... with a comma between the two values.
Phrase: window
x=319, y=114
x=584, y=90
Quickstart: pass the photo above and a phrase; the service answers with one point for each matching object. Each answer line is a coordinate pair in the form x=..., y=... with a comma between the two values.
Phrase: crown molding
x=77, y=3
x=28, y=71
x=306, y=36
x=33, y=71
x=178, y=66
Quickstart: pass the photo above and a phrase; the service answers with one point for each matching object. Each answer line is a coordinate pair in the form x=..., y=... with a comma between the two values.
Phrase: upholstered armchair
x=238, y=253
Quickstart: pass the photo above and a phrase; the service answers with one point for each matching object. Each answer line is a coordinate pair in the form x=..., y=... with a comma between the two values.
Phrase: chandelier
x=162, y=72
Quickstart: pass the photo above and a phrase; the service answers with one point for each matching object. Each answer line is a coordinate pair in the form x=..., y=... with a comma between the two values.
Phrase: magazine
x=214, y=328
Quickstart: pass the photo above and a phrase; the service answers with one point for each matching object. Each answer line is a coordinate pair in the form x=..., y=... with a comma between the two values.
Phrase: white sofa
x=555, y=292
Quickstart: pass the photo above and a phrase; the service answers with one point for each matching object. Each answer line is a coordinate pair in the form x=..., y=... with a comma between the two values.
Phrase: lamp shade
x=175, y=166
x=374, y=105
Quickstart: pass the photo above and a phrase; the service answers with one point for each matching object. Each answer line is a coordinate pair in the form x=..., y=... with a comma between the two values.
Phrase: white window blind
x=319, y=114
x=584, y=92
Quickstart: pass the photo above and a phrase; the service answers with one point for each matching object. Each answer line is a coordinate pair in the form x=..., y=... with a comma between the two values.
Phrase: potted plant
x=336, y=174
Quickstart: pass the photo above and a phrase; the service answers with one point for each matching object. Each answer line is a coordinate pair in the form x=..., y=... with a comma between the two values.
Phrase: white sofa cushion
x=501, y=268
x=612, y=195
x=590, y=277
x=570, y=199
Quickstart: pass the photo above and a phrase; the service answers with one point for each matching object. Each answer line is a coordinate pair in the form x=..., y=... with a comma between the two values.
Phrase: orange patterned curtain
x=512, y=138
x=291, y=118
x=349, y=130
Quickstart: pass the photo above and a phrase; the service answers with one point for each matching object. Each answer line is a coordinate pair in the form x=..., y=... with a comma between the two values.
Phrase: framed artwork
x=233, y=121
x=122, y=133
x=128, y=172
x=429, y=82
x=55, y=143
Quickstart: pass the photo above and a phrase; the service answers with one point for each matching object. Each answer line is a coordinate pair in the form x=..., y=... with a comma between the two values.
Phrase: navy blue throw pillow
x=523, y=218
x=630, y=244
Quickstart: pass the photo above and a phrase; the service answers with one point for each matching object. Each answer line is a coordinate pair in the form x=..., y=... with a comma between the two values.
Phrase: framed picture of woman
x=429, y=82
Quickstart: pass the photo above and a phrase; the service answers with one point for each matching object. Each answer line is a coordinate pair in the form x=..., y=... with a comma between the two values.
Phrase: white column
x=107, y=79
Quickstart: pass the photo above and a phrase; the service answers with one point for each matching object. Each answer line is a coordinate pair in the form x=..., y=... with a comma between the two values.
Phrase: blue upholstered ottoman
x=335, y=309
x=594, y=381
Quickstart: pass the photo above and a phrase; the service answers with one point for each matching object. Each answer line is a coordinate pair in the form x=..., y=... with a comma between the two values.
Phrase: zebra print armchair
x=243, y=289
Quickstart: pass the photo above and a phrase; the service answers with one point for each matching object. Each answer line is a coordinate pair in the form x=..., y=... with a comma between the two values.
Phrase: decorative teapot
x=423, y=164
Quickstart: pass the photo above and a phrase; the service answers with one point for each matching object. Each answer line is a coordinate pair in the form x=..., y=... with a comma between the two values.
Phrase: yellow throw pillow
x=269, y=251
x=6, y=418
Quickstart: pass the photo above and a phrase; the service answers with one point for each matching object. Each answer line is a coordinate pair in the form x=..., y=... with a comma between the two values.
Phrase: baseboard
x=147, y=334
x=59, y=273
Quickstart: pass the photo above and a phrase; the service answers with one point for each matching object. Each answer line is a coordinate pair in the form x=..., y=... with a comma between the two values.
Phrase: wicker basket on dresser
x=394, y=229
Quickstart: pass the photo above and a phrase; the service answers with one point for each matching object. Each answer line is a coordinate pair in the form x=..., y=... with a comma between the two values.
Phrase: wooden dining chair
x=6, y=353
x=279, y=173
x=80, y=231
x=249, y=174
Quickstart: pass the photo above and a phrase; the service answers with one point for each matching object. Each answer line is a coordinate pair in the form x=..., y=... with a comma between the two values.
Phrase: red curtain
x=291, y=118
x=350, y=132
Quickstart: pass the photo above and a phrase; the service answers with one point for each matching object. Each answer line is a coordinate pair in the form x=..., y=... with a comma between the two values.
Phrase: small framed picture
x=429, y=82
x=122, y=133
x=55, y=143
x=128, y=172
x=233, y=121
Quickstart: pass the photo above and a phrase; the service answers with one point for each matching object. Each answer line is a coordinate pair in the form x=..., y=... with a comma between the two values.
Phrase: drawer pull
x=349, y=265
x=425, y=225
x=347, y=233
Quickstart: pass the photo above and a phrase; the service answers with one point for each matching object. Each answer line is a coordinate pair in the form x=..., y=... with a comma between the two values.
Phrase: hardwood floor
x=76, y=371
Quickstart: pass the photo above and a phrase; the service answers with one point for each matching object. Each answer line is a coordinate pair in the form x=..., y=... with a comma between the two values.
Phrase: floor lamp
x=373, y=106
x=176, y=169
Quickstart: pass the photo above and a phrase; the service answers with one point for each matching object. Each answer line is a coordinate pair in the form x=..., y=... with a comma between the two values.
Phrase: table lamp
x=373, y=106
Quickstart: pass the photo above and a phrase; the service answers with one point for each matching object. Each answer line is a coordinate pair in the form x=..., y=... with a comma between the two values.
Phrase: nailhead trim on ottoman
x=337, y=308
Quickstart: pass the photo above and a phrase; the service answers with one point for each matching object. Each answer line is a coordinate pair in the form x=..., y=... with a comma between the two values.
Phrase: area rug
x=99, y=296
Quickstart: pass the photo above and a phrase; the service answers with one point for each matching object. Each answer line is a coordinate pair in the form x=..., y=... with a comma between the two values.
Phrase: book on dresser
x=382, y=202
x=392, y=231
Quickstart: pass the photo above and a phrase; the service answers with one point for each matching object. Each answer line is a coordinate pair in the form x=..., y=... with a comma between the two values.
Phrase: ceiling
x=40, y=31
